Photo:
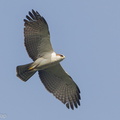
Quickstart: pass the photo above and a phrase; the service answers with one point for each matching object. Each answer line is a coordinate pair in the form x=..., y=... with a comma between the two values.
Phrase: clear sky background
x=87, y=32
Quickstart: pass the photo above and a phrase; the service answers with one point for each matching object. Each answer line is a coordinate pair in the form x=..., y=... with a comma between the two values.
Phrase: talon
x=31, y=68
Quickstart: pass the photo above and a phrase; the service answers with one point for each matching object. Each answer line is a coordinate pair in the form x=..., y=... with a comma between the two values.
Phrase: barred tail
x=24, y=73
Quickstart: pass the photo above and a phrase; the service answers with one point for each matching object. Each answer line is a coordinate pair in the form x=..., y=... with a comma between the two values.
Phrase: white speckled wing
x=37, y=37
x=58, y=82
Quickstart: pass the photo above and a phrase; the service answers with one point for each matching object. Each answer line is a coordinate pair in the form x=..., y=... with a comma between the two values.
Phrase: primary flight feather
x=46, y=62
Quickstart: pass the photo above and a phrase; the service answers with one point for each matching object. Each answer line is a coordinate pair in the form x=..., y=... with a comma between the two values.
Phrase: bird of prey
x=46, y=62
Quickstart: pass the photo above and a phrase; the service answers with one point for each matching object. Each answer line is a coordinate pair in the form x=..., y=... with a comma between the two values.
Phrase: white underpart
x=43, y=63
x=56, y=57
x=53, y=56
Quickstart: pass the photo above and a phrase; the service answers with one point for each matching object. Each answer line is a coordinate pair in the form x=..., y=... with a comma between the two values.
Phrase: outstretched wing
x=58, y=82
x=37, y=36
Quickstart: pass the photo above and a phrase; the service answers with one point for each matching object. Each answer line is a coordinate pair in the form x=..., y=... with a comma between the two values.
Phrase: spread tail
x=24, y=72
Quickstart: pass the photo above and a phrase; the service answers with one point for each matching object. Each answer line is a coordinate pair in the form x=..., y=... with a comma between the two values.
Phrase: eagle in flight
x=46, y=62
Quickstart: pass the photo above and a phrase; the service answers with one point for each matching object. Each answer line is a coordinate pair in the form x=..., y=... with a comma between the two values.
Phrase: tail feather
x=24, y=73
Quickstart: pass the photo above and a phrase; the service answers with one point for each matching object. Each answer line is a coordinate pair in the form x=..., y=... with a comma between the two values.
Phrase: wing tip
x=33, y=15
x=72, y=105
x=74, y=100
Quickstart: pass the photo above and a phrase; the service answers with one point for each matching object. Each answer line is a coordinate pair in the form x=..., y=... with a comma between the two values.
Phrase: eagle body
x=46, y=62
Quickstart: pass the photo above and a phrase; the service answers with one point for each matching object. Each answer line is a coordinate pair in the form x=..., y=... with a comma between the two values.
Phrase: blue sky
x=87, y=32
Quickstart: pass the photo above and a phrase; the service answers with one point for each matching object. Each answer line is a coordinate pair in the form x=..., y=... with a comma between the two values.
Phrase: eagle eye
x=61, y=55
